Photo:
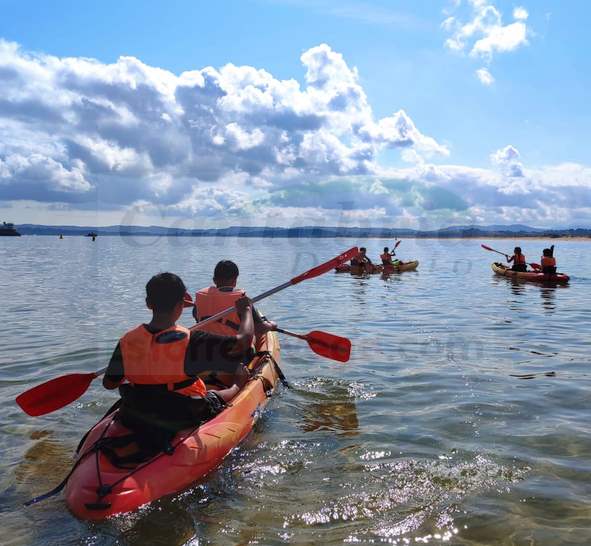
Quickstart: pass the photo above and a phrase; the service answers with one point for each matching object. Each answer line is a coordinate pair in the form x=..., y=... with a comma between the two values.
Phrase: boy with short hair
x=161, y=360
x=211, y=300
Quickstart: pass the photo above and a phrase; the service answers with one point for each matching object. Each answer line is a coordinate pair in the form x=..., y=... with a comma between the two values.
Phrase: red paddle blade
x=536, y=266
x=488, y=248
x=329, y=345
x=54, y=394
x=397, y=243
x=326, y=266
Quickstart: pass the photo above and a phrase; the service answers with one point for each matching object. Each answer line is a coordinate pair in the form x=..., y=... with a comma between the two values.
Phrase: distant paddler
x=548, y=261
x=518, y=260
x=362, y=261
x=388, y=254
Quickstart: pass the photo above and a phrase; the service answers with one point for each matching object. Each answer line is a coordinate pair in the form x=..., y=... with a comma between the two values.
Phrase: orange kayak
x=97, y=489
x=558, y=278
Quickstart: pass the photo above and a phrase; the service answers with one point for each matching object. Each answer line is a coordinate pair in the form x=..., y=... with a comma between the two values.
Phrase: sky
x=418, y=114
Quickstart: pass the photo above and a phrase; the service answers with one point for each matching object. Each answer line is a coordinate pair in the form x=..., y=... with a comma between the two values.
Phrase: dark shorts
x=158, y=412
x=519, y=267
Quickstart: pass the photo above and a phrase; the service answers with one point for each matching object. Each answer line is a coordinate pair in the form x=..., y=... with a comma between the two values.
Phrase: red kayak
x=97, y=489
x=558, y=278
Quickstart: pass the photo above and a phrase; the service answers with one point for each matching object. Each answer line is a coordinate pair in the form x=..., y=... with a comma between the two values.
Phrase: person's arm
x=245, y=334
x=114, y=374
x=552, y=251
x=261, y=324
x=509, y=260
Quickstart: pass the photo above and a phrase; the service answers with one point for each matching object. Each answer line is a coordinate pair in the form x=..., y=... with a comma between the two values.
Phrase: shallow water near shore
x=461, y=418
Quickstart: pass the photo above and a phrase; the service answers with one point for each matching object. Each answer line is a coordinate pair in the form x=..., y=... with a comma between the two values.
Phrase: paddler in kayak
x=160, y=362
x=386, y=258
x=518, y=259
x=211, y=300
x=548, y=261
x=362, y=260
x=220, y=296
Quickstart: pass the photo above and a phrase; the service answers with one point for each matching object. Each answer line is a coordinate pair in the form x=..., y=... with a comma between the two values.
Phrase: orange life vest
x=519, y=259
x=159, y=359
x=212, y=300
x=548, y=261
x=386, y=258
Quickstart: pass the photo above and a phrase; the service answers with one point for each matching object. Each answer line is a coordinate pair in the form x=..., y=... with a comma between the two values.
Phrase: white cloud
x=484, y=34
x=507, y=159
x=237, y=145
x=520, y=13
x=101, y=129
x=485, y=77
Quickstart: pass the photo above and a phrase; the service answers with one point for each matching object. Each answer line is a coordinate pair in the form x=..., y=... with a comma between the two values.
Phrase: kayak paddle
x=325, y=344
x=493, y=250
x=534, y=265
x=61, y=391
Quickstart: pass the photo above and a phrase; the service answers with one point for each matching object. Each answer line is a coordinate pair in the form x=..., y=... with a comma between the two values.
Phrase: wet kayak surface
x=462, y=416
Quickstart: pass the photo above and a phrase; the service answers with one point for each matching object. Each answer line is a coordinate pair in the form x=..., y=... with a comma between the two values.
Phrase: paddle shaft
x=533, y=264
x=227, y=311
x=493, y=250
x=292, y=334
x=318, y=270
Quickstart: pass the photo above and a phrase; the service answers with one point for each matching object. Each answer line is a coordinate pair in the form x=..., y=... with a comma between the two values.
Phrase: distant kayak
x=533, y=276
x=97, y=489
x=386, y=269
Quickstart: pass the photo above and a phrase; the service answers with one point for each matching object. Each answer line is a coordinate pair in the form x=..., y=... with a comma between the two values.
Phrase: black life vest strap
x=224, y=321
x=165, y=386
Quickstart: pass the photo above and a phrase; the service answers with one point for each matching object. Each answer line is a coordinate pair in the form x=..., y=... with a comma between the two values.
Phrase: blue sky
x=534, y=116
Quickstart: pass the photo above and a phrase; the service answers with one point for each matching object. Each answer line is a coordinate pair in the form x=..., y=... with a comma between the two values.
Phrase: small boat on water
x=92, y=234
x=98, y=487
x=8, y=230
x=400, y=267
x=532, y=276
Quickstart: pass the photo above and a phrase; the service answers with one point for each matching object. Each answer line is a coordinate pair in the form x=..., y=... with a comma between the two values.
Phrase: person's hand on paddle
x=243, y=305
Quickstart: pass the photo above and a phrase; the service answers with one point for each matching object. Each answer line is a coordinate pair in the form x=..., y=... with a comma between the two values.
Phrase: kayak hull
x=386, y=270
x=197, y=452
x=530, y=276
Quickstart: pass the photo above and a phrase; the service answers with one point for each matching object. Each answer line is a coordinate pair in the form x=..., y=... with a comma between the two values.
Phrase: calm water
x=425, y=436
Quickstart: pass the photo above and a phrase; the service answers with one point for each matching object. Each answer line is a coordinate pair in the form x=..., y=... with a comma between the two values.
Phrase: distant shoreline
x=400, y=237
x=313, y=232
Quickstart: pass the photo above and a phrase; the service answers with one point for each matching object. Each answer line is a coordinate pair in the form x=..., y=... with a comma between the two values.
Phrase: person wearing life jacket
x=386, y=256
x=213, y=299
x=548, y=261
x=220, y=296
x=518, y=259
x=160, y=361
x=362, y=260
